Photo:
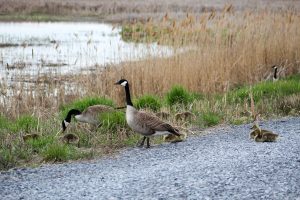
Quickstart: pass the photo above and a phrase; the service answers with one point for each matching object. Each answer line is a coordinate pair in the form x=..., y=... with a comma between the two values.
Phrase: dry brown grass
x=225, y=50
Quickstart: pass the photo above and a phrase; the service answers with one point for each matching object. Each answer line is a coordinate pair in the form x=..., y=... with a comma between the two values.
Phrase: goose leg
x=148, y=142
x=143, y=141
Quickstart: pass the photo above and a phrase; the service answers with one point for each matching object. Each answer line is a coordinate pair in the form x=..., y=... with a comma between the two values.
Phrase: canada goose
x=184, y=116
x=275, y=75
x=89, y=115
x=70, y=138
x=30, y=136
x=143, y=122
x=163, y=115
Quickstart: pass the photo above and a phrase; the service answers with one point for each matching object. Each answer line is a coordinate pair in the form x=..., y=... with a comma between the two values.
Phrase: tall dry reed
x=223, y=50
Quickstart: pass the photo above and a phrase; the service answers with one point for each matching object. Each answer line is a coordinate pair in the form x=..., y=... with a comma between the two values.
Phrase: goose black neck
x=128, y=99
x=275, y=73
x=70, y=113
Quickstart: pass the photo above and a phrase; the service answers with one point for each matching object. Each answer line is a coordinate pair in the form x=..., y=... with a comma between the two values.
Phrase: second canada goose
x=89, y=115
x=275, y=75
x=142, y=122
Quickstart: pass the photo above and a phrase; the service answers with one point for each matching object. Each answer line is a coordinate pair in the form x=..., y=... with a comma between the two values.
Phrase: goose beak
x=116, y=83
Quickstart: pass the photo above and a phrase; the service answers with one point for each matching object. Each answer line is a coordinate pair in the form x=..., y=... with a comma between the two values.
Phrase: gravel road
x=224, y=164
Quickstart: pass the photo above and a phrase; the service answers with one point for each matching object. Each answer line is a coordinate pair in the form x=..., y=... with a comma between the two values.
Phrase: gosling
x=174, y=138
x=70, y=138
x=30, y=136
x=261, y=135
x=184, y=116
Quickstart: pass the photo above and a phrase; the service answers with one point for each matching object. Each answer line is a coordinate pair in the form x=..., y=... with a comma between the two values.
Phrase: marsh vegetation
x=217, y=70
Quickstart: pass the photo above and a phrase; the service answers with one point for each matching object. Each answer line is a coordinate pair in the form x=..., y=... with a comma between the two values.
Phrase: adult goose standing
x=142, y=122
x=89, y=115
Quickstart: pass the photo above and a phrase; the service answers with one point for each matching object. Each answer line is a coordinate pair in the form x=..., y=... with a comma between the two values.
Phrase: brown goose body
x=163, y=115
x=142, y=122
x=90, y=115
x=147, y=124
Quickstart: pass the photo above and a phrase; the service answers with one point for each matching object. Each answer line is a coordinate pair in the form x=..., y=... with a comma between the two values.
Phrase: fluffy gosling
x=174, y=138
x=30, y=136
x=185, y=116
x=261, y=135
x=70, y=138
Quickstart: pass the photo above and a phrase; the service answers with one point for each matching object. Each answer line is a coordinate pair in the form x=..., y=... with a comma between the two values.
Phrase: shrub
x=57, y=152
x=37, y=145
x=27, y=123
x=148, y=101
x=178, y=95
x=210, y=119
x=7, y=159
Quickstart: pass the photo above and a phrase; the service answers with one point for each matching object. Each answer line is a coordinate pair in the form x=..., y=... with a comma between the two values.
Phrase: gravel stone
x=220, y=163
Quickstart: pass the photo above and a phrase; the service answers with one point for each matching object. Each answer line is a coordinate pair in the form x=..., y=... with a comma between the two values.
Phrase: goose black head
x=122, y=82
x=274, y=66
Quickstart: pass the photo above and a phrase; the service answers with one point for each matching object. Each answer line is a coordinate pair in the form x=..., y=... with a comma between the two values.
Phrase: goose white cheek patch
x=124, y=83
x=66, y=123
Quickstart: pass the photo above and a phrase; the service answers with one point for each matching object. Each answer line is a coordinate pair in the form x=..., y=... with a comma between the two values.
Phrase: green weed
x=148, y=101
x=178, y=95
x=58, y=152
x=210, y=119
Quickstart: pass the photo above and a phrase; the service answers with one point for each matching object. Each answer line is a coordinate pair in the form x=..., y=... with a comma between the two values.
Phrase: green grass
x=148, y=101
x=267, y=90
x=111, y=121
x=211, y=119
x=38, y=145
x=179, y=95
x=59, y=152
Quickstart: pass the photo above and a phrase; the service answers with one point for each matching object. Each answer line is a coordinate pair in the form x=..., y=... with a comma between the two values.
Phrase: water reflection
x=32, y=49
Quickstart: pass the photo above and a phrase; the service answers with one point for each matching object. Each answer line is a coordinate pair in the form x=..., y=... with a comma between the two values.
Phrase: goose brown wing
x=154, y=123
x=96, y=109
